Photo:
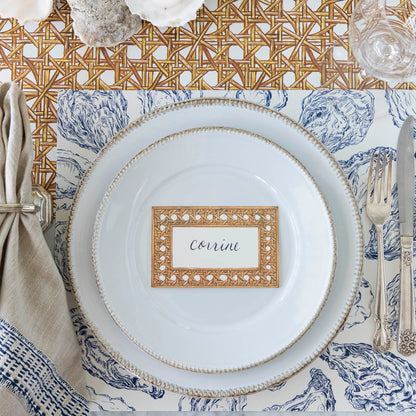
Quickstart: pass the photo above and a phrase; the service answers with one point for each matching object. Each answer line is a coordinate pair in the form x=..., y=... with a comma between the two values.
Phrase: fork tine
x=376, y=195
x=383, y=177
x=389, y=190
x=370, y=175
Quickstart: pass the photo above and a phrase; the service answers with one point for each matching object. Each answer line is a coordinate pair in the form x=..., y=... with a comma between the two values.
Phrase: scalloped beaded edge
x=97, y=234
x=206, y=102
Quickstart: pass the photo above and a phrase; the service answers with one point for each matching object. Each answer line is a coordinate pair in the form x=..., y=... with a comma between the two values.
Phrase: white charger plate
x=213, y=329
x=259, y=120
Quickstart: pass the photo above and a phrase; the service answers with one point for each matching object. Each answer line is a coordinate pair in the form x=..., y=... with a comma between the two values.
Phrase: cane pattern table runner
x=349, y=375
x=242, y=44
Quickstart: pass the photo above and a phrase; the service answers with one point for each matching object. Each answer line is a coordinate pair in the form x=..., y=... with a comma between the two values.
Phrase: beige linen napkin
x=40, y=358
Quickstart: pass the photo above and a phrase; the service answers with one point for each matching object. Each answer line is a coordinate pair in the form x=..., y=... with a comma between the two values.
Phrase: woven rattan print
x=264, y=220
x=246, y=44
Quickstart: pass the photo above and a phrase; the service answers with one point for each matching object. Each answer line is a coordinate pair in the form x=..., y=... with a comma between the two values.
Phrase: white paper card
x=215, y=247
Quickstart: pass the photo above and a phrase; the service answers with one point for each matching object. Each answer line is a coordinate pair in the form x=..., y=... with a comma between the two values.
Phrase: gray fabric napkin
x=40, y=358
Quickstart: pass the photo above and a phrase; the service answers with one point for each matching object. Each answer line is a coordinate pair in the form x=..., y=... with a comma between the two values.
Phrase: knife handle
x=406, y=339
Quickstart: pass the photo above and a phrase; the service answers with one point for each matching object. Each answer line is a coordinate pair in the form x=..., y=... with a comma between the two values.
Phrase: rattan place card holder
x=215, y=247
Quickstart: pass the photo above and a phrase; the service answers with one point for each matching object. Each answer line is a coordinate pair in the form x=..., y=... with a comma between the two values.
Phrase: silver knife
x=406, y=339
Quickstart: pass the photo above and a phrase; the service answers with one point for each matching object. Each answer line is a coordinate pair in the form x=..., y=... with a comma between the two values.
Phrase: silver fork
x=378, y=210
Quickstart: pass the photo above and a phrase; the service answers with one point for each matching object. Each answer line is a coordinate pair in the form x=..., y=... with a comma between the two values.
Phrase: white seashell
x=26, y=10
x=165, y=12
x=103, y=23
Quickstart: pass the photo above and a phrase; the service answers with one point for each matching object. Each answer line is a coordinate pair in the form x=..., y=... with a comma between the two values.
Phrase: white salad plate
x=214, y=329
x=258, y=120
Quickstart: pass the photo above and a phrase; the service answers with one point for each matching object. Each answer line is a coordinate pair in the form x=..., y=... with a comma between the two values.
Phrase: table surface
x=244, y=44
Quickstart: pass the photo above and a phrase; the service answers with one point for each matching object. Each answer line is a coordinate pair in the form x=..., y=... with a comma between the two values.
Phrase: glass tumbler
x=383, y=39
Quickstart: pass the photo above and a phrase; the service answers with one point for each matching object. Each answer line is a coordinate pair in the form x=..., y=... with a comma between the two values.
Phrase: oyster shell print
x=26, y=10
x=375, y=382
x=349, y=376
x=165, y=12
x=99, y=364
x=104, y=402
x=338, y=118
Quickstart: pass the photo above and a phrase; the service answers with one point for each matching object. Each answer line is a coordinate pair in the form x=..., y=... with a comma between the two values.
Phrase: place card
x=215, y=247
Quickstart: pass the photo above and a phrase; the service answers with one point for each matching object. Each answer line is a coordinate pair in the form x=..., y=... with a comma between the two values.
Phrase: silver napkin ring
x=42, y=206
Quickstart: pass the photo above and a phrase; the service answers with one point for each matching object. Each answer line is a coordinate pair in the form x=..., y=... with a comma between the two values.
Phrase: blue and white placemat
x=349, y=375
